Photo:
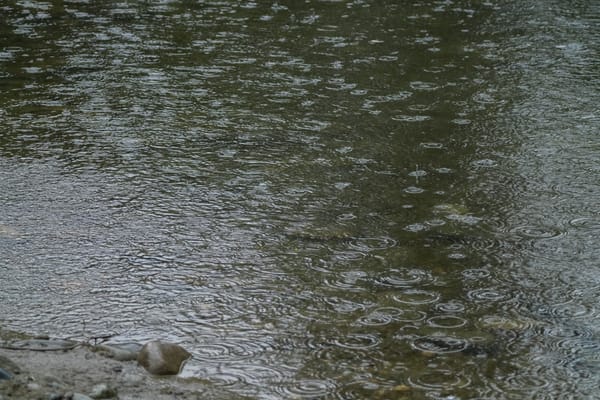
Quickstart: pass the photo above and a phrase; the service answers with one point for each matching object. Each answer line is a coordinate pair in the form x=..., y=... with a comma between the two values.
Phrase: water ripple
x=153, y=157
x=404, y=277
x=585, y=223
x=240, y=348
x=367, y=244
x=487, y=295
x=235, y=376
x=476, y=273
x=423, y=86
x=571, y=310
x=381, y=316
x=535, y=379
x=345, y=306
x=447, y=321
x=536, y=232
x=439, y=379
x=358, y=341
x=411, y=118
x=306, y=389
x=416, y=296
x=450, y=307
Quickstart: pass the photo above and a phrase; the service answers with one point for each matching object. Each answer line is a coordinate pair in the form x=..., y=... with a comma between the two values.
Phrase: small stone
x=402, y=388
x=42, y=337
x=132, y=379
x=103, y=391
x=33, y=386
x=160, y=358
x=428, y=354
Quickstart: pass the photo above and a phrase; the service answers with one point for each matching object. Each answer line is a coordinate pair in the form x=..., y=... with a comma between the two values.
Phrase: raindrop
x=476, y=273
x=404, y=277
x=450, y=307
x=418, y=227
x=432, y=145
x=417, y=173
x=413, y=190
x=457, y=256
x=375, y=318
x=411, y=118
x=423, y=86
x=484, y=163
x=461, y=121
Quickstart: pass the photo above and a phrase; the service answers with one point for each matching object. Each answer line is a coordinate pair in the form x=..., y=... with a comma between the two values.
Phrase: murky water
x=320, y=200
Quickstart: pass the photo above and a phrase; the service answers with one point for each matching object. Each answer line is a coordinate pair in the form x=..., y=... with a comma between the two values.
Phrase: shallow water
x=319, y=200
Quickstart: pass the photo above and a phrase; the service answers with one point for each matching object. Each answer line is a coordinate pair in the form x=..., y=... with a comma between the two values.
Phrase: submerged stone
x=160, y=358
x=5, y=375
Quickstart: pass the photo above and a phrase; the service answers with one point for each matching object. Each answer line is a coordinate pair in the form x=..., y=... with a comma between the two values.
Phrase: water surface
x=319, y=200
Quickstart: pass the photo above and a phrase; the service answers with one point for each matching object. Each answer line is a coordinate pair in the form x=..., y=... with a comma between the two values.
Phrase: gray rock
x=103, y=391
x=160, y=358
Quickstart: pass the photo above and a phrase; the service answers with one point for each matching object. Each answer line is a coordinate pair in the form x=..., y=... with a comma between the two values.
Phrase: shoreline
x=82, y=371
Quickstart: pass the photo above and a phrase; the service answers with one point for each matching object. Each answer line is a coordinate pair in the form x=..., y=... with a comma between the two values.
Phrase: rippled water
x=320, y=200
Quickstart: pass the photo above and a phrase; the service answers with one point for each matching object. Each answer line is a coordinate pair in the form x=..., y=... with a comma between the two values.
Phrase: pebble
x=123, y=352
x=103, y=391
x=161, y=358
x=132, y=379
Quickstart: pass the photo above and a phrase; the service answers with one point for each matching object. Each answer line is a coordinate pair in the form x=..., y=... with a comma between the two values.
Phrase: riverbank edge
x=80, y=371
